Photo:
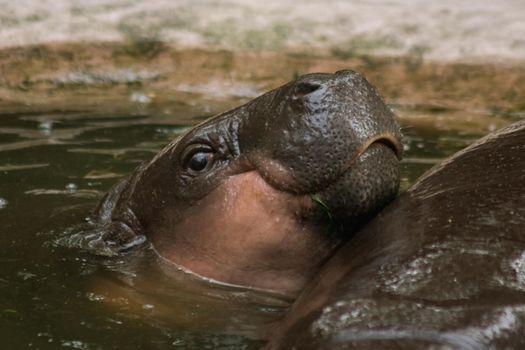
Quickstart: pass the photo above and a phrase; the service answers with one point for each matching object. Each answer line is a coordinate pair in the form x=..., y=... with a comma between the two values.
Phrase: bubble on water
x=178, y=342
x=95, y=297
x=112, y=320
x=71, y=187
x=148, y=307
x=75, y=344
x=3, y=203
x=46, y=127
x=518, y=267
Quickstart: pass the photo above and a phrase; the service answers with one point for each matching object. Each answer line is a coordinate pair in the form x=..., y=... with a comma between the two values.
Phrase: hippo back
x=443, y=265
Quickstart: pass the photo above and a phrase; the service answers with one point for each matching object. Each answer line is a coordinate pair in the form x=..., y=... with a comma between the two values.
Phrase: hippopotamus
x=262, y=195
x=443, y=266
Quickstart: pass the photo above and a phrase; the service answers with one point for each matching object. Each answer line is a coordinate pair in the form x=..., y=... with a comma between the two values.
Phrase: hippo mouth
x=281, y=177
x=383, y=141
x=386, y=143
x=365, y=182
x=386, y=140
x=365, y=186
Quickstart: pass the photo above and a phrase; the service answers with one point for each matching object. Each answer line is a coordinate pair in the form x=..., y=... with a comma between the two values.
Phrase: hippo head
x=262, y=194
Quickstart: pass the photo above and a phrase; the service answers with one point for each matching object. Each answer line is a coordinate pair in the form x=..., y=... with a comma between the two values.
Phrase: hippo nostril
x=305, y=88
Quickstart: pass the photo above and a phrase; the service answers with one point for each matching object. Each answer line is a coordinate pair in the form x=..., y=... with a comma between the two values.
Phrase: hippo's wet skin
x=442, y=267
x=244, y=197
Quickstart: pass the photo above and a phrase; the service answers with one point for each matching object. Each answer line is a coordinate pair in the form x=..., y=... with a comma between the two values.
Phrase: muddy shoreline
x=150, y=75
x=129, y=55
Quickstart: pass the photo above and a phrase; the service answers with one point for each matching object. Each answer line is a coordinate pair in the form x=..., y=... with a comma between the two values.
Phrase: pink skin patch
x=246, y=227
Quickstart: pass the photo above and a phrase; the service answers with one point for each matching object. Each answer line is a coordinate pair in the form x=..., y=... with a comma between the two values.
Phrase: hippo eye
x=200, y=161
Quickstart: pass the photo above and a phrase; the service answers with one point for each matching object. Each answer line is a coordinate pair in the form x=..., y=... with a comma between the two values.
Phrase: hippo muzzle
x=333, y=137
x=261, y=195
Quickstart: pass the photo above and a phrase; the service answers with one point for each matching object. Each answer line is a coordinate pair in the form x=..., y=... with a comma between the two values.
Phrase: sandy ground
x=437, y=30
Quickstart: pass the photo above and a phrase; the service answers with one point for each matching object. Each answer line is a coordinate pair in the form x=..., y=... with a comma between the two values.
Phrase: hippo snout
x=328, y=135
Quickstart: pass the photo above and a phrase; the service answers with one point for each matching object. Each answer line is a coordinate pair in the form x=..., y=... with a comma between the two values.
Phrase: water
x=54, y=168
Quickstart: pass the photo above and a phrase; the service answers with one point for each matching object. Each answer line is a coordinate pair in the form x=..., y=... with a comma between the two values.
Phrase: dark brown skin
x=231, y=200
x=443, y=266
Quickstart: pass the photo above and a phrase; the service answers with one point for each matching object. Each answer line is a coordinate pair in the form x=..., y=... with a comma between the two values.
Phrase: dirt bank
x=72, y=55
x=84, y=76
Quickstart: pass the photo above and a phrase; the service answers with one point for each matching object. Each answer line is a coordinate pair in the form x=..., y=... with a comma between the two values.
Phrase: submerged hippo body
x=443, y=266
x=261, y=195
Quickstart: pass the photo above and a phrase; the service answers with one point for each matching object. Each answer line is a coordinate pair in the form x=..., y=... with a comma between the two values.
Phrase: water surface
x=53, y=169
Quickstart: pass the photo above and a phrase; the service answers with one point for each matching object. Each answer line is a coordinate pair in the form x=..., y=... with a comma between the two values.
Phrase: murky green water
x=53, y=169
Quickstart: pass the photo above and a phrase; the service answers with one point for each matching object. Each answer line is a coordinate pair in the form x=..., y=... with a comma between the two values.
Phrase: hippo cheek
x=246, y=228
